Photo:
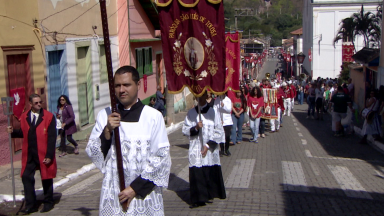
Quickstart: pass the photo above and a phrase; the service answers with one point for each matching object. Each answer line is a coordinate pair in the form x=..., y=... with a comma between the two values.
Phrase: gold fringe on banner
x=186, y=4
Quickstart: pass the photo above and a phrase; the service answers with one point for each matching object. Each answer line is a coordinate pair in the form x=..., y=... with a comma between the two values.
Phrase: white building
x=321, y=21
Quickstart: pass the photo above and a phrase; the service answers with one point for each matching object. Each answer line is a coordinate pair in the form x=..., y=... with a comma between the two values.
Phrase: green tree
x=344, y=73
x=346, y=31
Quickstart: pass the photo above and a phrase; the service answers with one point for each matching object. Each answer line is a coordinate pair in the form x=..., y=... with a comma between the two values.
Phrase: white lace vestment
x=212, y=130
x=145, y=152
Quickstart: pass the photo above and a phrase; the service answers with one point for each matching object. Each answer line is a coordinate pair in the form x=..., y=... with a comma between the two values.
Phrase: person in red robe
x=280, y=101
x=294, y=93
x=38, y=128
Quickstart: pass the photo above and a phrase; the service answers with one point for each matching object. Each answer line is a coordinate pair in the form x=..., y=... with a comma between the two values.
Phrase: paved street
x=301, y=170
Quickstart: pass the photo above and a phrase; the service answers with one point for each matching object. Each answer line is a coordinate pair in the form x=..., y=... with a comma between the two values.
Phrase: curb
x=86, y=168
x=376, y=144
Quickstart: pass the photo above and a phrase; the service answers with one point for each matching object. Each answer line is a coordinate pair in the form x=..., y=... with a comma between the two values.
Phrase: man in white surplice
x=205, y=176
x=144, y=147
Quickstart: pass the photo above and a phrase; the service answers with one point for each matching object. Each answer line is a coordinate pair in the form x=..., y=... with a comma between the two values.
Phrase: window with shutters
x=144, y=61
x=103, y=65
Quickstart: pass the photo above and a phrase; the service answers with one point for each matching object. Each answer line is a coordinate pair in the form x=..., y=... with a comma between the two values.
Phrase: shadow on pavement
x=184, y=146
x=84, y=211
x=327, y=201
x=180, y=187
x=6, y=208
x=346, y=147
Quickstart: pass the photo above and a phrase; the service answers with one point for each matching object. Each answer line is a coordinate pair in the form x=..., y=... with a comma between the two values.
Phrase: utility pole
x=243, y=12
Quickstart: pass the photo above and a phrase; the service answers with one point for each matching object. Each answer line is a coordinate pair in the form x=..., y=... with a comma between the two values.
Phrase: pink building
x=140, y=43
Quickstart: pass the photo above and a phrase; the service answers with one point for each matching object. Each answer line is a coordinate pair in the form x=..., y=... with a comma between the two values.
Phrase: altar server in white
x=223, y=109
x=205, y=176
x=144, y=147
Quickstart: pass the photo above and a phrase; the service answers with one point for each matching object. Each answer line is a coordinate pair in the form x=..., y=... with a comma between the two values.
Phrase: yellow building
x=21, y=60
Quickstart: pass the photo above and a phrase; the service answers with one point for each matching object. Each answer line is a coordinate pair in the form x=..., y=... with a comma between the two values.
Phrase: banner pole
x=12, y=171
x=200, y=132
x=107, y=44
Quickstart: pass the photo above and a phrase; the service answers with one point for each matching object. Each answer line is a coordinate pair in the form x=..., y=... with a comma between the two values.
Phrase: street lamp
x=300, y=59
x=7, y=103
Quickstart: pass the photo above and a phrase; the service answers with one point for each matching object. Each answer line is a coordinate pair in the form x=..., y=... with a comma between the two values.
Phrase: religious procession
x=162, y=108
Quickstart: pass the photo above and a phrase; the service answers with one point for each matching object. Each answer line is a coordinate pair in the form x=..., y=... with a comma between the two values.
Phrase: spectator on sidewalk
x=300, y=94
x=238, y=109
x=327, y=95
x=331, y=89
x=68, y=126
x=311, y=101
x=319, y=101
x=157, y=105
x=160, y=97
x=351, y=89
x=345, y=89
x=340, y=102
x=152, y=102
x=371, y=122
x=38, y=128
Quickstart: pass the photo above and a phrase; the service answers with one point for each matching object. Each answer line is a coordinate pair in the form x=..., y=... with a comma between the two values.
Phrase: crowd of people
x=245, y=108
x=216, y=123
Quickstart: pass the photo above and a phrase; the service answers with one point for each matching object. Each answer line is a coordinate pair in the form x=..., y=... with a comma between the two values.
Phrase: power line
x=17, y=20
x=78, y=17
x=61, y=11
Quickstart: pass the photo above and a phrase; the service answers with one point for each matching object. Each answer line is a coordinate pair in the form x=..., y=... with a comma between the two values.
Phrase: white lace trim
x=212, y=130
x=138, y=160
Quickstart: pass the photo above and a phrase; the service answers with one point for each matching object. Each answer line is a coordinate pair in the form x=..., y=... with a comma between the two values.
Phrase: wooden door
x=54, y=79
x=19, y=77
x=84, y=80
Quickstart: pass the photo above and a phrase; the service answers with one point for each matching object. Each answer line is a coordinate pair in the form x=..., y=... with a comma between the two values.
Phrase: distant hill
x=273, y=18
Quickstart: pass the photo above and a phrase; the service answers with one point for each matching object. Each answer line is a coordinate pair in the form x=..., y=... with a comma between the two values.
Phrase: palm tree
x=364, y=24
x=346, y=31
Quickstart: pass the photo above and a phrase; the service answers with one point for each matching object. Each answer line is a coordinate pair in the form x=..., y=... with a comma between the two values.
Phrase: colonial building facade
x=321, y=21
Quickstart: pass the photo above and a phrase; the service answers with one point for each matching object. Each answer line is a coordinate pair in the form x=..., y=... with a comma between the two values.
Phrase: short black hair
x=33, y=96
x=128, y=69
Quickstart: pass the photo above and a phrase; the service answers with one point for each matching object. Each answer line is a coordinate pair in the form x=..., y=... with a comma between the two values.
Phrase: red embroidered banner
x=145, y=83
x=309, y=54
x=288, y=57
x=347, y=53
x=232, y=62
x=192, y=33
x=18, y=95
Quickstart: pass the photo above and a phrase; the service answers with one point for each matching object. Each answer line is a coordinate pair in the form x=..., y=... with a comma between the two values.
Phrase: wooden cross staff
x=107, y=45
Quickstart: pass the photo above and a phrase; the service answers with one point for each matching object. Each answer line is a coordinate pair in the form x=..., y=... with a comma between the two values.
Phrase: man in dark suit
x=38, y=128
